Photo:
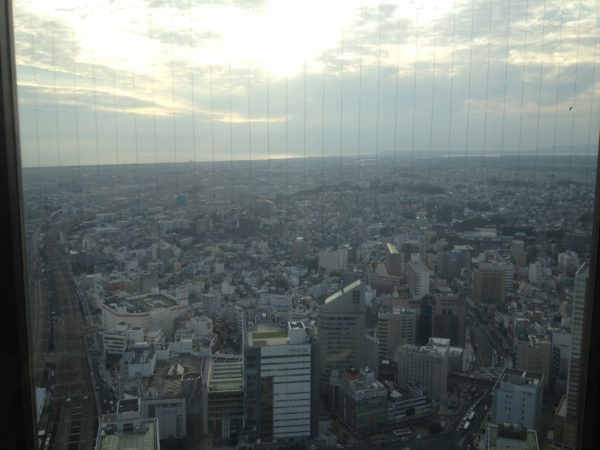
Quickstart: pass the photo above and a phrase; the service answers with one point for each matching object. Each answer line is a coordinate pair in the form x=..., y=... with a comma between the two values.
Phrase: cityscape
x=395, y=301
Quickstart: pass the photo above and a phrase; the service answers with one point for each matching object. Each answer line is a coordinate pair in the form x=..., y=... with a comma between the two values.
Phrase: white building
x=517, y=398
x=426, y=366
x=150, y=311
x=282, y=360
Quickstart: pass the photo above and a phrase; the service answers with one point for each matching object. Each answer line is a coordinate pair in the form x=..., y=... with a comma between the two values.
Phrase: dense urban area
x=312, y=303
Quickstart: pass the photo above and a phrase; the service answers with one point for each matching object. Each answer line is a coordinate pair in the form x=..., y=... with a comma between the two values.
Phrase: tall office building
x=448, y=317
x=394, y=328
x=579, y=295
x=424, y=365
x=297, y=250
x=534, y=354
x=417, y=275
x=341, y=324
x=277, y=383
x=393, y=260
x=518, y=253
x=517, y=398
x=489, y=284
x=452, y=263
x=561, y=356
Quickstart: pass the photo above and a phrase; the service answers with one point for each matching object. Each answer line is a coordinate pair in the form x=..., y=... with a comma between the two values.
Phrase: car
x=313, y=446
x=338, y=445
x=418, y=436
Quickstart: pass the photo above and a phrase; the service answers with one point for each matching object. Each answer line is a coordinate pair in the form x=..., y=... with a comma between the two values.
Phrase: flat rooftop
x=143, y=437
x=520, y=377
x=141, y=303
x=502, y=432
x=226, y=374
x=267, y=334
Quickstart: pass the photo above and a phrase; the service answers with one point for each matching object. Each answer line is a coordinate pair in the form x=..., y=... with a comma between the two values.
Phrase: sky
x=138, y=81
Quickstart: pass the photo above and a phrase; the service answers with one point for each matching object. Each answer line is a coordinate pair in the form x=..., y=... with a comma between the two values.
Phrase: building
x=518, y=253
x=150, y=311
x=489, y=284
x=367, y=405
x=126, y=429
x=426, y=366
x=579, y=296
x=534, y=354
x=506, y=436
x=561, y=356
x=417, y=275
x=297, y=250
x=565, y=419
x=448, y=317
x=535, y=272
x=341, y=326
x=568, y=263
x=394, y=328
x=451, y=264
x=361, y=400
x=394, y=262
x=279, y=398
x=333, y=260
x=223, y=399
x=407, y=403
x=517, y=398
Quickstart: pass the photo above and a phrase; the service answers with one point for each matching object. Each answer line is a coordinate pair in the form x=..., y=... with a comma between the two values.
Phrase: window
x=199, y=176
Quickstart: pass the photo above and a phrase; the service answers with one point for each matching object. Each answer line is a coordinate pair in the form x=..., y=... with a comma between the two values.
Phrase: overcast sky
x=151, y=81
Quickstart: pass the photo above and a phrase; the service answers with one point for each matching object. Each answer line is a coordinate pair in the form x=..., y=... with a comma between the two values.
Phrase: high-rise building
x=424, y=365
x=223, y=400
x=277, y=383
x=534, y=354
x=519, y=255
x=517, y=398
x=417, y=275
x=394, y=328
x=579, y=296
x=452, y=263
x=535, y=272
x=568, y=263
x=448, y=316
x=341, y=324
x=393, y=260
x=561, y=356
x=489, y=284
x=297, y=250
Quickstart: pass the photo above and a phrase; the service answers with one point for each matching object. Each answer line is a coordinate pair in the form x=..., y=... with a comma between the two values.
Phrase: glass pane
x=302, y=224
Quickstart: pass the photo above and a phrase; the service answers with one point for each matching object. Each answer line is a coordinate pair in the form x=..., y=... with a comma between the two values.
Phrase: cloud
x=202, y=63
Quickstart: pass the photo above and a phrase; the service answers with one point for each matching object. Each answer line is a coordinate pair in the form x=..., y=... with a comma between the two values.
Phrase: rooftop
x=141, y=303
x=342, y=291
x=142, y=437
x=498, y=435
x=267, y=334
x=520, y=377
x=225, y=374
x=169, y=376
